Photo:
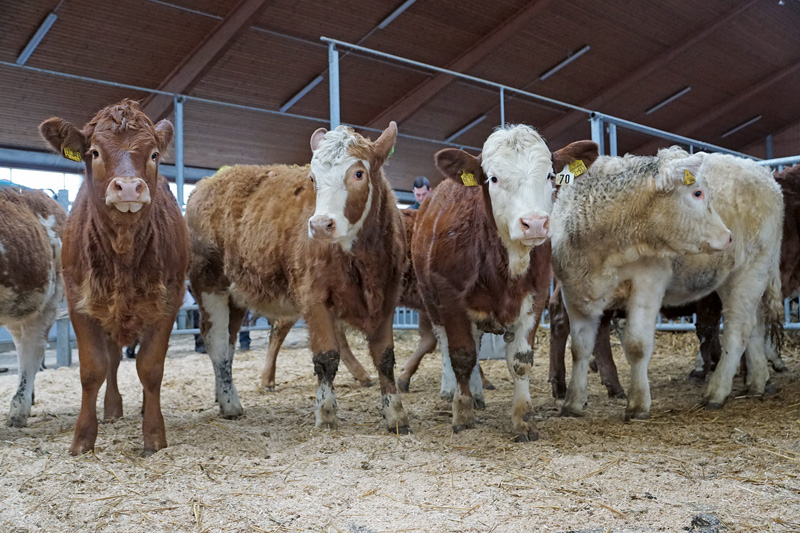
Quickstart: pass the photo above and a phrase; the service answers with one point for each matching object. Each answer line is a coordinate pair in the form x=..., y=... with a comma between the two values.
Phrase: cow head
x=688, y=221
x=514, y=173
x=345, y=170
x=121, y=149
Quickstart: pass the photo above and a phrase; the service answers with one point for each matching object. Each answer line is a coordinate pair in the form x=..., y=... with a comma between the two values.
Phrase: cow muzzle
x=534, y=229
x=128, y=194
x=322, y=228
x=721, y=242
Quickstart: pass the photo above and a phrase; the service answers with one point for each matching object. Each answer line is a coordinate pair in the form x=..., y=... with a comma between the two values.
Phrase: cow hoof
x=488, y=385
x=613, y=392
x=80, y=448
x=461, y=427
x=559, y=391
x=231, y=413
x=366, y=383
x=770, y=389
x=400, y=430
x=326, y=424
x=402, y=384
x=17, y=421
x=567, y=411
x=636, y=415
x=593, y=364
x=697, y=376
x=778, y=366
x=713, y=406
x=527, y=437
x=480, y=403
x=446, y=396
x=267, y=389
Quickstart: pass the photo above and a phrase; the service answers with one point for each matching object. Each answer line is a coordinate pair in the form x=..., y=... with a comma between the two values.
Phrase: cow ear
x=585, y=151
x=64, y=138
x=384, y=145
x=164, y=133
x=317, y=137
x=459, y=166
x=685, y=170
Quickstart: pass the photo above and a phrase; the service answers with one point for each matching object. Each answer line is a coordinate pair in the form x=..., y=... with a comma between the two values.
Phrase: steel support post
x=333, y=83
x=178, y=104
x=597, y=133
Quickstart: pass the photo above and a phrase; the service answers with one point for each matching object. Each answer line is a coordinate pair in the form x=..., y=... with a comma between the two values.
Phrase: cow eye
x=698, y=194
x=154, y=156
x=359, y=175
x=311, y=178
x=493, y=179
x=95, y=154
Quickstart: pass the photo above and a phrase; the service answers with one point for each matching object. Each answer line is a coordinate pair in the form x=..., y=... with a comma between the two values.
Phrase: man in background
x=422, y=188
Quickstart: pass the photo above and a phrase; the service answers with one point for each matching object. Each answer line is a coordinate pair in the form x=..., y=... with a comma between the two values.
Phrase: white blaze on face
x=329, y=167
x=517, y=163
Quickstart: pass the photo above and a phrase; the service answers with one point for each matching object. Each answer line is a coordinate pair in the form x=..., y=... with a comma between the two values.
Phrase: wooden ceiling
x=741, y=59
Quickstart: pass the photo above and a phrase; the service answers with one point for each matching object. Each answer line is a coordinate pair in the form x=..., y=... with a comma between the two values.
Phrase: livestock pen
x=684, y=469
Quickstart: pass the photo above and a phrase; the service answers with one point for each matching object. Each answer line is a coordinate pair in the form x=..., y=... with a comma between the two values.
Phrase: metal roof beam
x=205, y=54
x=559, y=126
x=417, y=97
x=726, y=107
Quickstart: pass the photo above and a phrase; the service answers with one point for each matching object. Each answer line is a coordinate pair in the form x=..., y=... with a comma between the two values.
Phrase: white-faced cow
x=637, y=232
x=482, y=259
x=31, y=225
x=125, y=256
x=323, y=242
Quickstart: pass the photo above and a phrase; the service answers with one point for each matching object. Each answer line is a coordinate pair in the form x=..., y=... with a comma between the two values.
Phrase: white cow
x=636, y=231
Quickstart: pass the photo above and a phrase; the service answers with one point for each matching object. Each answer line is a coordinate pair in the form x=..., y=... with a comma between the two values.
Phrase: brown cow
x=482, y=259
x=31, y=225
x=325, y=243
x=125, y=257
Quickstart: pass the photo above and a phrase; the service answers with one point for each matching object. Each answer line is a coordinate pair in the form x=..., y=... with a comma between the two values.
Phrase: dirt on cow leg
x=381, y=348
x=325, y=366
x=463, y=402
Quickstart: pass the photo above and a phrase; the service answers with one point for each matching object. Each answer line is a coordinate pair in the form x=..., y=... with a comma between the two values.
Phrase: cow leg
x=519, y=358
x=426, y=345
x=605, y=361
x=476, y=376
x=774, y=357
x=381, y=348
x=278, y=331
x=112, y=404
x=709, y=312
x=150, y=367
x=94, y=364
x=583, y=330
x=740, y=295
x=639, y=340
x=463, y=357
x=322, y=334
x=755, y=356
x=30, y=341
x=447, y=389
x=559, y=331
x=349, y=360
x=215, y=314
x=487, y=385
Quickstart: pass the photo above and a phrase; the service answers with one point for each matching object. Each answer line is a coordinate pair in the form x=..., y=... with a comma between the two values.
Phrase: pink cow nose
x=128, y=189
x=534, y=226
x=322, y=227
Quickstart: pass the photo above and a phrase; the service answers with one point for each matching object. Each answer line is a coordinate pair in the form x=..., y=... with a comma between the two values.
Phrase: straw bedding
x=686, y=469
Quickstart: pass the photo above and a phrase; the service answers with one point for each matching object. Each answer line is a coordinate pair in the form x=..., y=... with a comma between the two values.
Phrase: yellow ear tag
x=577, y=167
x=468, y=179
x=688, y=178
x=71, y=154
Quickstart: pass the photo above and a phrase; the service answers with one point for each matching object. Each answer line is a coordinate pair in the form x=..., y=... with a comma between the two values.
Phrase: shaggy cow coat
x=31, y=226
x=637, y=232
x=125, y=256
x=323, y=242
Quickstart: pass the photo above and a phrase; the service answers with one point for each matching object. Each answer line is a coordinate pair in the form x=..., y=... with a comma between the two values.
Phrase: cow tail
x=772, y=305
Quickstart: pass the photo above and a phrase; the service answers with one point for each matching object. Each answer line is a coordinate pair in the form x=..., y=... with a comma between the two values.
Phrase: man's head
x=422, y=188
